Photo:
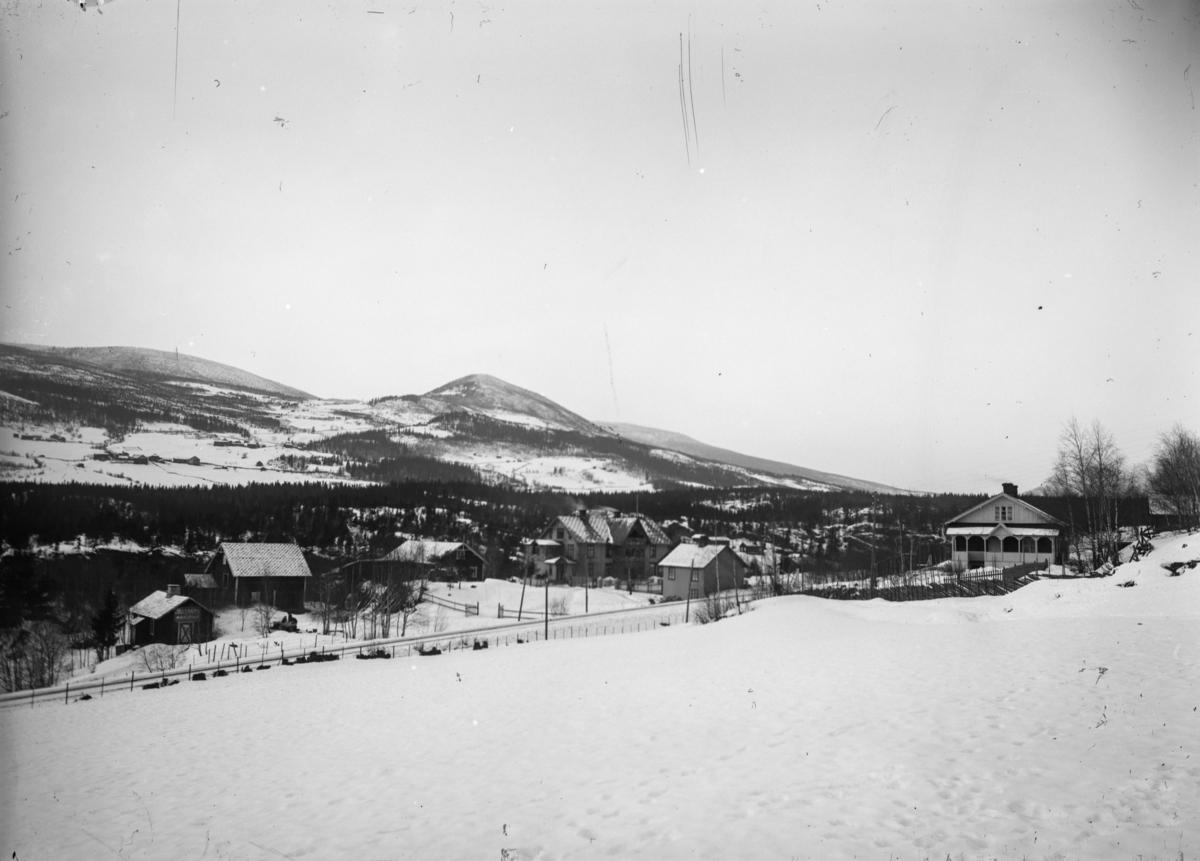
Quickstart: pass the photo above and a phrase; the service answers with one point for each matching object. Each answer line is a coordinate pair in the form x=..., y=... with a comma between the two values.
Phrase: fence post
x=131, y=680
x=102, y=687
x=67, y=695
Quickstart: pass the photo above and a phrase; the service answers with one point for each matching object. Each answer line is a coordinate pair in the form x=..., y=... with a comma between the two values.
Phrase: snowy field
x=1057, y=722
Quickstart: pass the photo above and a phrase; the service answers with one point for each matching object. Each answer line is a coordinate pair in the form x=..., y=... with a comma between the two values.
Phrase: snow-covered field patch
x=562, y=472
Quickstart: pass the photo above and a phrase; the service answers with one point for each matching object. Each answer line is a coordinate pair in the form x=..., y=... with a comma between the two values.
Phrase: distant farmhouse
x=275, y=573
x=695, y=571
x=589, y=545
x=1005, y=531
x=169, y=617
x=441, y=560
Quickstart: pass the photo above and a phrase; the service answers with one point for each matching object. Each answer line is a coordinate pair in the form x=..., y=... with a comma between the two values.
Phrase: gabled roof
x=424, y=550
x=1014, y=500
x=596, y=527
x=694, y=556
x=265, y=560
x=623, y=526
x=158, y=604
x=588, y=529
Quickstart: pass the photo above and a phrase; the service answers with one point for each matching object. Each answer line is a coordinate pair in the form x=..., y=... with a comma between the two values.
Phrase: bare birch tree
x=1089, y=467
x=1175, y=475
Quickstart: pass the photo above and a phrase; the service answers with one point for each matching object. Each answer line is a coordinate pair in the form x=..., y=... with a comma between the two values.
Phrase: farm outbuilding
x=1005, y=531
x=202, y=587
x=171, y=618
x=440, y=560
x=276, y=574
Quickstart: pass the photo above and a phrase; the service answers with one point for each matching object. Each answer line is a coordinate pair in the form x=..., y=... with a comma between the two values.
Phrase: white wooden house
x=1004, y=531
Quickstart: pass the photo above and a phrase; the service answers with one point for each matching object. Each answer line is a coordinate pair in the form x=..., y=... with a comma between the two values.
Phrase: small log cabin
x=171, y=618
x=1004, y=531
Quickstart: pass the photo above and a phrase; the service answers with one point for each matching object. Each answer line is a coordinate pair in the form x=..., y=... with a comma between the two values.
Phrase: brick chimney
x=173, y=589
x=1009, y=488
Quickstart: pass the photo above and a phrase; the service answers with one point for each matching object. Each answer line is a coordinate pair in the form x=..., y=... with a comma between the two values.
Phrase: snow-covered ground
x=562, y=472
x=1057, y=722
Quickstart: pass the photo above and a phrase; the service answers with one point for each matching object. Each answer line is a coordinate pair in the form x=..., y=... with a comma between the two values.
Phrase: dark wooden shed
x=163, y=617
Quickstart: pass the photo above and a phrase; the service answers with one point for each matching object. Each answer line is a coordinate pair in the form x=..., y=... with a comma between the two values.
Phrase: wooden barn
x=171, y=618
x=1005, y=531
x=251, y=573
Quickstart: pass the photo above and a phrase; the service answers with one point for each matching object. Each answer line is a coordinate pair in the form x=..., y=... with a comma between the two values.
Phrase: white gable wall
x=1022, y=513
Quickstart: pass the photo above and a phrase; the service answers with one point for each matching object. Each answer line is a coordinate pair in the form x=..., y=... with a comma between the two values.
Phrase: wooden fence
x=926, y=585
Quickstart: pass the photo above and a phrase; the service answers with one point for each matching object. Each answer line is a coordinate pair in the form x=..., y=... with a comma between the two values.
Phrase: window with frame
x=461, y=553
x=695, y=576
x=1003, y=513
x=591, y=551
x=653, y=551
x=695, y=593
x=670, y=573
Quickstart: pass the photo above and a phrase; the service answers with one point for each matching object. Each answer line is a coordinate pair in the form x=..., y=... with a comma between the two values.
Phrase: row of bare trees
x=374, y=596
x=1091, y=468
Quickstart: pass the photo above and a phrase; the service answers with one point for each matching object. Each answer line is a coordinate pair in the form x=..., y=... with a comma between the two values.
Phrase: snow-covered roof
x=592, y=528
x=200, y=581
x=158, y=604
x=265, y=560
x=598, y=527
x=693, y=556
x=425, y=550
x=622, y=526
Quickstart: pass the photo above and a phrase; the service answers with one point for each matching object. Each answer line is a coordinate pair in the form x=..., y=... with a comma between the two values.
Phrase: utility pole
x=546, y=609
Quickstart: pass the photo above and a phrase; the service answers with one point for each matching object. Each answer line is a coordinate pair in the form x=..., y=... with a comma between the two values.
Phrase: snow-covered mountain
x=486, y=395
x=162, y=365
x=686, y=445
x=121, y=414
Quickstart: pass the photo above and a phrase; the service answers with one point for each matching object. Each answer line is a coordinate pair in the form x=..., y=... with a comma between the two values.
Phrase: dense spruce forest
x=355, y=520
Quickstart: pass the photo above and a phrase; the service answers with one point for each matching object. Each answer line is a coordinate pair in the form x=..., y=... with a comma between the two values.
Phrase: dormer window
x=1004, y=513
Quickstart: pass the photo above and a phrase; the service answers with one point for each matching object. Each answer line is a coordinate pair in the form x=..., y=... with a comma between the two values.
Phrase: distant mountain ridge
x=477, y=422
x=161, y=364
x=490, y=396
x=686, y=445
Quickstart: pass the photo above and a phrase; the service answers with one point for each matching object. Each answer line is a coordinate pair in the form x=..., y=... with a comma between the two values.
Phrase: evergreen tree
x=106, y=626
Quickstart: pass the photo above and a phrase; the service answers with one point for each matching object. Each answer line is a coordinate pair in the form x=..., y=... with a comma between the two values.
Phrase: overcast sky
x=899, y=242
